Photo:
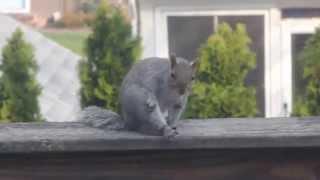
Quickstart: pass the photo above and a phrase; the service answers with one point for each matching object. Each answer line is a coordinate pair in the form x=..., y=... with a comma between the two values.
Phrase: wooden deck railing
x=228, y=149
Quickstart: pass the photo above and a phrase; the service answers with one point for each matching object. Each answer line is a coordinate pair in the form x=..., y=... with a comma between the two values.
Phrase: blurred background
x=257, y=58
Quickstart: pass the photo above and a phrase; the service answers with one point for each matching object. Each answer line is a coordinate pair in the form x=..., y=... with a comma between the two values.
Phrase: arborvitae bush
x=111, y=50
x=224, y=62
x=307, y=102
x=18, y=84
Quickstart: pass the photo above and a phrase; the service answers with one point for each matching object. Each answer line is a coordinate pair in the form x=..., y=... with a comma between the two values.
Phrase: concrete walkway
x=57, y=75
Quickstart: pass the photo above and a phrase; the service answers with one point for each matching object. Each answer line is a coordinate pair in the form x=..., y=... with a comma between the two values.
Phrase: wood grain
x=221, y=149
x=248, y=164
x=194, y=134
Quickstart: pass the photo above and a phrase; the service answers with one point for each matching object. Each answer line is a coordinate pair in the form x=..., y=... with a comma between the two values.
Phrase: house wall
x=148, y=10
x=45, y=8
x=278, y=85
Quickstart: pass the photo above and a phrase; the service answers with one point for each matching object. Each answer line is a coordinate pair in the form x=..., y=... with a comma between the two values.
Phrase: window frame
x=162, y=42
x=289, y=27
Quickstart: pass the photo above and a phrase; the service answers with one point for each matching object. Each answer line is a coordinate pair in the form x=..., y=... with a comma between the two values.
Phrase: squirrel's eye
x=193, y=78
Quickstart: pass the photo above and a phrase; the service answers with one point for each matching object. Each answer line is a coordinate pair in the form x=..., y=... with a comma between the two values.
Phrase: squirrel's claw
x=174, y=128
x=170, y=133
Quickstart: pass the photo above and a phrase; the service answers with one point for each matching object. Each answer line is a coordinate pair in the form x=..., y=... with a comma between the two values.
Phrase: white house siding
x=278, y=85
x=149, y=9
x=59, y=101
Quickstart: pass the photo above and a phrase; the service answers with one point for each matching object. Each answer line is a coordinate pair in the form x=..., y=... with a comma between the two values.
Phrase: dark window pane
x=301, y=13
x=188, y=33
x=298, y=44
x=255, y=28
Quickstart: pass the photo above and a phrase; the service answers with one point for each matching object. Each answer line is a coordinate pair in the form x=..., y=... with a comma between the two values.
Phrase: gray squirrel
x=153, y=96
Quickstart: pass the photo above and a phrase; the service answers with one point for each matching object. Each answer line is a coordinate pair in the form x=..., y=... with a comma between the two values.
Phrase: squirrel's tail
x=97, y=117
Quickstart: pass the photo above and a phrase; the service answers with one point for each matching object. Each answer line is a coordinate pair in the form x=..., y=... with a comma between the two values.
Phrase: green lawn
x=74, y=41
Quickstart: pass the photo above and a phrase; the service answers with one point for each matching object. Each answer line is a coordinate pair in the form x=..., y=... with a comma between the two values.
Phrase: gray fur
x=101, y=118
x=153, y=97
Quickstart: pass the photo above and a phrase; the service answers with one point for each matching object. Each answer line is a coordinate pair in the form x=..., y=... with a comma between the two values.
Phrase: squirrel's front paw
x=169, y=133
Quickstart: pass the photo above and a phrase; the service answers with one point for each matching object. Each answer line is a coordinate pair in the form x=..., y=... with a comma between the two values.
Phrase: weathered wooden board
x=242, y=164
x=194, y=134
x=229, y=149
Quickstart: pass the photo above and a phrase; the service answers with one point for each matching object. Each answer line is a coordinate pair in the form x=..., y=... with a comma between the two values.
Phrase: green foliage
x=111, y=50
x=224, y=63
x=307, y=103
x=19, y=89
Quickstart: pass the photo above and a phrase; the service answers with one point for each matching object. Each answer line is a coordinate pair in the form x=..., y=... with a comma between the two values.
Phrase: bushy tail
x=97, y=117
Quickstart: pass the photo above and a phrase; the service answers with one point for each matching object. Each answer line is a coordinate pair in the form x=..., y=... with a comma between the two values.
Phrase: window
x=295, y=33
x=298, y=44
x=255, y=28
x=186, y=34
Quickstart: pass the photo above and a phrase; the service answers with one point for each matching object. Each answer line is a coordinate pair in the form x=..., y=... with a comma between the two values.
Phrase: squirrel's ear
x=173, y=60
